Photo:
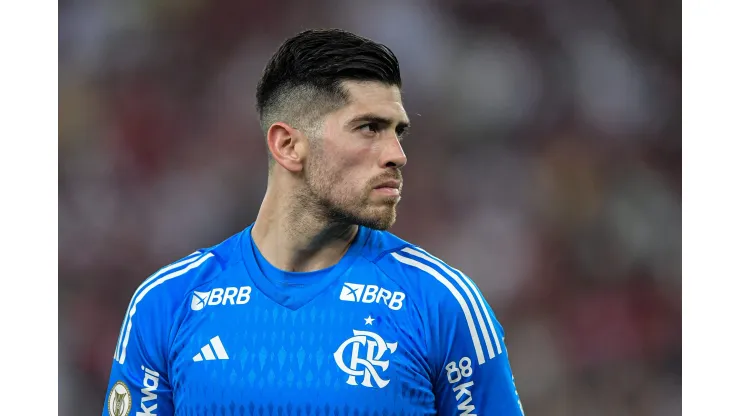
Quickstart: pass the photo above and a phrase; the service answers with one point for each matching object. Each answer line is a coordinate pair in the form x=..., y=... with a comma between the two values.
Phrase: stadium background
x=545, y=161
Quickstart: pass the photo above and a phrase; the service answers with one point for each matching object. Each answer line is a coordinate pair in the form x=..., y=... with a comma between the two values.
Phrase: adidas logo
x=207, y=352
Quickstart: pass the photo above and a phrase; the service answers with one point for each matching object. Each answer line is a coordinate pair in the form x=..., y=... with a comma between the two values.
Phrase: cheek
x=332, y=174
x=345, y=182
x=346, y=167
x=349, y=164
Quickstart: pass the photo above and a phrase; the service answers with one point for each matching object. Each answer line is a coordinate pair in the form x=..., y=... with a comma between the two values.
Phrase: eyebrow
x=373, y=118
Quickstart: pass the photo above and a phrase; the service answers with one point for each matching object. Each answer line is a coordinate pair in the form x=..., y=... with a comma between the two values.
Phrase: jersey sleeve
x=473, y=373
x=138, y=383
x=468, y=362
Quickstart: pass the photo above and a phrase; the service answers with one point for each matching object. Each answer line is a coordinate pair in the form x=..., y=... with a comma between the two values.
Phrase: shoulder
x=152, y=309
x=412, y=266
x=445, y=295
x=171, y=284
x=455, y=308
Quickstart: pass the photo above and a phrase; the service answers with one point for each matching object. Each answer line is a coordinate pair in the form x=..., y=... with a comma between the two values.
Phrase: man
x=314, y=309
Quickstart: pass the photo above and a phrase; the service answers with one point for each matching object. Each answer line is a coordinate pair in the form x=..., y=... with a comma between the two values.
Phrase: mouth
x=390, y=188
x=391, y=184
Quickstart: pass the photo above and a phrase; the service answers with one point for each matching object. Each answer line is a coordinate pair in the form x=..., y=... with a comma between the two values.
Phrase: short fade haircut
x=302, y=81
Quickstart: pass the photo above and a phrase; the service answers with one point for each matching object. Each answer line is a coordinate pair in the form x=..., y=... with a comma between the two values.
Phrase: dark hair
x=303, y=79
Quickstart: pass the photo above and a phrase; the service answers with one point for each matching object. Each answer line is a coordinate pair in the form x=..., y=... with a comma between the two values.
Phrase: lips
x=390, y=184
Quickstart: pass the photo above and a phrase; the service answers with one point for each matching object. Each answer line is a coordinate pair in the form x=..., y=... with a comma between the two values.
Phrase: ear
x=287, y=145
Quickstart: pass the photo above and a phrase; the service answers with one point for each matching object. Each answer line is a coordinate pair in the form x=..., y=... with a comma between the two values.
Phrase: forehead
x=373, y=98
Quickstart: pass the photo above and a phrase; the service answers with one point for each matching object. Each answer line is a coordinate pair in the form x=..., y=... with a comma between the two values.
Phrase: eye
x=370, y=128
x=402, y=132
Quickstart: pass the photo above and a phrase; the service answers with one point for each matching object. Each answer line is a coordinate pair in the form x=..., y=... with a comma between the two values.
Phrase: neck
x=296, y=238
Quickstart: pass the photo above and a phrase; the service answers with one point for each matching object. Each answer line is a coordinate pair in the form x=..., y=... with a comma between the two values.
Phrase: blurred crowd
x=544, y=161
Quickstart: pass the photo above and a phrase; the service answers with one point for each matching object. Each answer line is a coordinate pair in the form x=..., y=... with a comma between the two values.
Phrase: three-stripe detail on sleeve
x=462, y=288
x=167, y=273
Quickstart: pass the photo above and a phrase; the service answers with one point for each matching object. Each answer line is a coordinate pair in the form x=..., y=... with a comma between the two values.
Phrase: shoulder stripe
x=471, y=299
x=456, y=294
x=478, y=295
x=187, y=260
x=475, y=290
x=143, y=293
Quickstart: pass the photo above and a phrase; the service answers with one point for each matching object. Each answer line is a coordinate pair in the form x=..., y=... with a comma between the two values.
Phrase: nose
x=393, y=155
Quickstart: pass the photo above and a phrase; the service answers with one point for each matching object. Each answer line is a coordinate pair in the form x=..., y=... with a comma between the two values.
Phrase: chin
x=380, y=221
x=377, y=224
x=372, y=215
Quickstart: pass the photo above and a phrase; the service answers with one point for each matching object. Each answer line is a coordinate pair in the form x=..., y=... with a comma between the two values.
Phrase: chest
x=327, y=358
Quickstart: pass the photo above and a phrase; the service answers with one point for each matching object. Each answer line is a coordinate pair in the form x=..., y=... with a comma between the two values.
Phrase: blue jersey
x=389, y=330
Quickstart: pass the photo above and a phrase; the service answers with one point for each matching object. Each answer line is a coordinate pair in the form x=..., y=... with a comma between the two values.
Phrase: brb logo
x=220, y=296
x=368, y=349
x=353, y=292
